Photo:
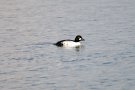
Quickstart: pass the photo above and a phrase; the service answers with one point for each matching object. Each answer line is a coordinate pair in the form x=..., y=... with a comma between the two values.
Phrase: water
x=29, y=60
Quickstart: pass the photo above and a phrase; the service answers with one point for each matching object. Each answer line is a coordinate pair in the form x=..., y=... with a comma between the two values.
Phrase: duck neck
x=76, y=40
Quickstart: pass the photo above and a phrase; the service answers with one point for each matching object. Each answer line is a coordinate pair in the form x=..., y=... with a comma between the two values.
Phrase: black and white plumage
x=70, y=43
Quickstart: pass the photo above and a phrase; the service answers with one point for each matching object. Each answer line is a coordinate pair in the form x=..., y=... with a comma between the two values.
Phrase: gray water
x=30, y=61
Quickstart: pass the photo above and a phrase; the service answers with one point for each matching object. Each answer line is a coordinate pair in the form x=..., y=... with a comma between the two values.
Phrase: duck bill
x=83, y=39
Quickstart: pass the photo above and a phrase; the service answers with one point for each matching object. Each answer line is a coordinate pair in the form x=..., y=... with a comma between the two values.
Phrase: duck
x=70, y=43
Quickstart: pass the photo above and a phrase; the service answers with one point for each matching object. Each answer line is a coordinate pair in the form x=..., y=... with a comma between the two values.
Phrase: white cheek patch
x=80, y=39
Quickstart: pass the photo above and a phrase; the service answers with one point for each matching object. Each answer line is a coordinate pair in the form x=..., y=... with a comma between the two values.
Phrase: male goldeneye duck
x=70, y=43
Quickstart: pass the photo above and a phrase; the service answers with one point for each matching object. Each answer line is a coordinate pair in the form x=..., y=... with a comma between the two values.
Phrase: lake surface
x=29, y=60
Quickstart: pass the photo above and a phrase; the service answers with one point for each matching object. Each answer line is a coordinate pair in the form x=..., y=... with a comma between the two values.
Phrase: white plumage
x=71, y=44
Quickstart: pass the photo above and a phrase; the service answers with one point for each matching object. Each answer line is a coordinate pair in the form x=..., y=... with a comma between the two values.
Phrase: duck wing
x=60, y=43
